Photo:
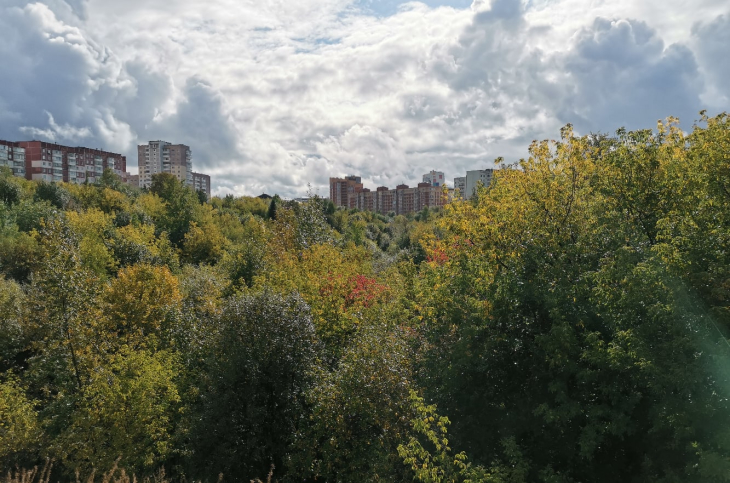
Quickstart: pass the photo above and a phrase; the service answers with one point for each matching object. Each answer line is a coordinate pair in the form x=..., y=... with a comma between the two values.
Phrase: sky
x=277, y=96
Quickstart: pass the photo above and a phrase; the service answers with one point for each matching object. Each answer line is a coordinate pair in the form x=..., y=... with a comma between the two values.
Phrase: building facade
x=42, y=161
x=348, y=192
x=434, y=178
x=201, y=182
x=474, y=178
x=13, y=156
x=460, y=184
x=163, y=157
x=131, y=179
x=467, y=185
x=343, y=191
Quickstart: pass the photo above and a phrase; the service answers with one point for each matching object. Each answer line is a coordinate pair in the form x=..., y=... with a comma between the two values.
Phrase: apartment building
x=343, y=191
x=201, y=182
x=349, y=192
x=42, y=161
x=467, y=185
x=434, y=178
x=13, y=156
x=131, y=179
x=163, y=157
x=475, y=177
x=385, y=201
x=460, y=184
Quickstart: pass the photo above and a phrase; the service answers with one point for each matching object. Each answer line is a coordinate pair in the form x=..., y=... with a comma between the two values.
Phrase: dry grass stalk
x=257, y=480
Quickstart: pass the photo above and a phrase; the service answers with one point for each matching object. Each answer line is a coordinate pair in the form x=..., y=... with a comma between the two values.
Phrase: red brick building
x=348, y=192
x=55, y=162
x=343, y=191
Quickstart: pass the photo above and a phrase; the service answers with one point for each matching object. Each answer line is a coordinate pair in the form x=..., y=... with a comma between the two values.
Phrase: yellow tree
x=141, y=304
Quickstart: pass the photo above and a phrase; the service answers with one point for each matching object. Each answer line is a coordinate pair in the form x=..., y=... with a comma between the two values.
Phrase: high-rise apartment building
x=163, y=157
x=38, y=160
x=201, y=182
x=460, y=184
x=467, y=185
x=434, y=178
x=474, y=178
x=343, y=191
x=13, y=157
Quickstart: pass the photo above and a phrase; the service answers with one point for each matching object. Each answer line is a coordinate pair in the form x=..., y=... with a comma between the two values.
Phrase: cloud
x=61, y=86
x=711, y=43
x=623, y=75
x=275, y=95
x=56, y=132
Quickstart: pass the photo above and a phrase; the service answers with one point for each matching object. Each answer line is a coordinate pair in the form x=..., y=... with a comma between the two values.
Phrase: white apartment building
x=13, y=157
x=473, y=178
x=434, y=178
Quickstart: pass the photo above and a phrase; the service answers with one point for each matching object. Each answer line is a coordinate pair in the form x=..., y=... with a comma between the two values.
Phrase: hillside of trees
x=569, y=323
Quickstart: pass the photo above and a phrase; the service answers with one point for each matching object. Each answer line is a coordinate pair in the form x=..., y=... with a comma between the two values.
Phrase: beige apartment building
x=163, y=157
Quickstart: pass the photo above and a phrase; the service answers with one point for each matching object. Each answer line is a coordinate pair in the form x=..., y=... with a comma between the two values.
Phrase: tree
x=128, y=410
x=203, y=244
x=20, y=429
x=181, y=206
x=141, y=305
x=251, y=395
x=62, y=299
x=52, y=192
x=555, y=323
x=271, y=214
x=13, y=337
x=10, y=191
x=360, y=411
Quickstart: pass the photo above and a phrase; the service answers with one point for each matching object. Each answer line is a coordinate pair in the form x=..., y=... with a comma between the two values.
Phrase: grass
x=114, y=475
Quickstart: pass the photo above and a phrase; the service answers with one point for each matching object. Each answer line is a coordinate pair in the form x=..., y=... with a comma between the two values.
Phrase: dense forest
x=568, y=323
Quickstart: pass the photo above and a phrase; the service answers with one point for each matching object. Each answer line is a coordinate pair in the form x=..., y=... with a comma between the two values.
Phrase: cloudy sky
x=273, y=95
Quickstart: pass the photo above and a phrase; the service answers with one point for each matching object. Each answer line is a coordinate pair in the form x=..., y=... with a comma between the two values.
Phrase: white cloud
x=274, y=95
x=56, y=132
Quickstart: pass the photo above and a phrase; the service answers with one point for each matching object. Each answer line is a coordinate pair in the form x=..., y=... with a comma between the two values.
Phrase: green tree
x=128, y=410
x=251, y=395
x=273, y=206
x=10, y=191
x=52, y=192
x=20, y=429
x=181, y=207
x=554, y=323
x=62, y=300
x=360, y=411
x=13, y=337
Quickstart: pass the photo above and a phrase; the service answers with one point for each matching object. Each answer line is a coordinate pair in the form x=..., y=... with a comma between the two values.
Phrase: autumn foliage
x=567, y=323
